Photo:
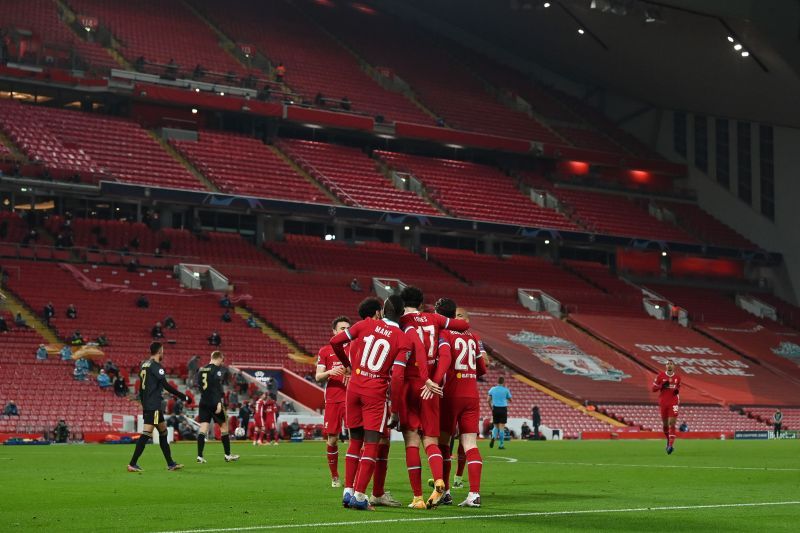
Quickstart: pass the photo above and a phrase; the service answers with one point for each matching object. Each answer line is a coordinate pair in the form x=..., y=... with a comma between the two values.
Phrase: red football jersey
x=670, y=393
x=270, y=411
x=468, y=362
x=378, y=345
x=428, y=326
x=335, y=388
x=259, y=411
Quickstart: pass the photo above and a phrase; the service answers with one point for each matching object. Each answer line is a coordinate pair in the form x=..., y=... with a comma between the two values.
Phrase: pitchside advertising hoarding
x=764, y=435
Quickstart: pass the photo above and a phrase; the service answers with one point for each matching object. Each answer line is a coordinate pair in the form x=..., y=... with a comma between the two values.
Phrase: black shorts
x=499, y=415
x=154, y=417
x=205, y=413
x=778, y=426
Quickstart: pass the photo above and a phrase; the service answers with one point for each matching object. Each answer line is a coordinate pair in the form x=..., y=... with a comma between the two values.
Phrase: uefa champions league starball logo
x=789, y=350
x=567, y=358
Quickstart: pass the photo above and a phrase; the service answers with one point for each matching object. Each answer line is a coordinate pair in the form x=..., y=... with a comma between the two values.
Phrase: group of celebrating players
x=417, y=371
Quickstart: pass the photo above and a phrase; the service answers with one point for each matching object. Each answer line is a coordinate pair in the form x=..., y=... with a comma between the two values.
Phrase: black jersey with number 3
x=152, y=378
x=210, y=380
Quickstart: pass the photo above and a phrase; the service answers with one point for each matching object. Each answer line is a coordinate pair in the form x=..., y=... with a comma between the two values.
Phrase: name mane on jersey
x=383, y=331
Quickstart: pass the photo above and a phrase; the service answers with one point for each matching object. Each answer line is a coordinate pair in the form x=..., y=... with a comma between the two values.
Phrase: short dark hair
x=445, y=307
x=340, y=318
x=501, y=380
x=412, y=296
x=393, y=308
x=155, y=347
x=368, y=307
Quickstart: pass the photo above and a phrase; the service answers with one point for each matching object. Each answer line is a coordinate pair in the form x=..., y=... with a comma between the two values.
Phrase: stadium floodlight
x=657, y=306
x=581, y=31
x=194, y=111
x=546, y=5
x=737, y=47
x=330, y=237
x=731, y=39
x=745, y=53
x=222, y=93
x=547, y=241
x=407, y=227
x=664, y=254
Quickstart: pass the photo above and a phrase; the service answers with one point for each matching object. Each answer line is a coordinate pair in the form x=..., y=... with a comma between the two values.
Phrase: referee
x=153, y=382
x=499, y=396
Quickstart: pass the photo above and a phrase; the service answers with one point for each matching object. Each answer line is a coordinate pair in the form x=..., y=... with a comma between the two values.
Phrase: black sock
x=144, y=438
x=226, y=444
x=162, y=441
x=201, y=444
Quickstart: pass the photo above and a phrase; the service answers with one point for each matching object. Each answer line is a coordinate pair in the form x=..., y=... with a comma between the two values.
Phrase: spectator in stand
x=171, y=72
x=214, y=339
x=272, y=386
x=537, y=421
x=111, y=369
x=102, y=340
x=241, y=383
x=191, y=369
x=233, y=399
x=525, y=431
x=244, y=415
x=3, y=324
x=440, y=122
x=344, y=103
x=133, y=265
x=684, y=427
x=41, y=352
x=66, y=353
x=178, y=408
x=226, y=316
x=120, y=387
x=169, y=323
x=157, y=252
x=251, y=322
x=81, y=371
x=156, y=332
x=294, y=428
x=103, y=379
x=225, y=301
x=77, y=339
x=61, y=432
x=777, y=423
x=185, y=430
x=142, y=302
x=48, y=312
x=319, y=100
x=265, y=94
x=198, y=72
x=139, y=64
x=19, y=321
x=72, y=312
x=280, y=73
x=355, y=286
x=11, y=409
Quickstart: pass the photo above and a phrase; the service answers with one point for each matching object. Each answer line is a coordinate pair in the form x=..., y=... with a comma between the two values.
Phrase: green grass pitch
x=547, y=486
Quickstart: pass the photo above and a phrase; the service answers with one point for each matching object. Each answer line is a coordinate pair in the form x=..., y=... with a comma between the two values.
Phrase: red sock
x=382, y=463
x=447, y=465
x=435, y=460
x=474, y=467
x=414, y=466
x=351, y=460
x=462, y=460
x=333, y=460
x=666, y=433
x=366, y=466
x=671, y=435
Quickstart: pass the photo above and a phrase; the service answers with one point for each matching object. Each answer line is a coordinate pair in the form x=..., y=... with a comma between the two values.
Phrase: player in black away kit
x=210, y=379
x=153, y=382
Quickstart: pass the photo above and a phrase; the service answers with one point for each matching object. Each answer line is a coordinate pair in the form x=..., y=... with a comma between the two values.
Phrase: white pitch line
x=485, y=516
x=757, y=468
x=503, y=458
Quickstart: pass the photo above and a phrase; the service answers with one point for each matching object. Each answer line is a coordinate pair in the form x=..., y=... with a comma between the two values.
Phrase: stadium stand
x=70, y=143
x=51, y=35
x=440, y=82
x=243, y=165
x=147, y=29
x=706, y=227
x=787, y=313
x=704, y=305
x=555, y=413
x=353, y=177
x=315, y=62
x=697, y=417
x=617, y=215
x=791, y=416
x=480, y=192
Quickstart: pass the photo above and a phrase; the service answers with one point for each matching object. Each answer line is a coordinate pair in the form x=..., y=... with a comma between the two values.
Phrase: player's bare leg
x=436, y=462
x=333, y=459
x=414, y=466
x=474, y=467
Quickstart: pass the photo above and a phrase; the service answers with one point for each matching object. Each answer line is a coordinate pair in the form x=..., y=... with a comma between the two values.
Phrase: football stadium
x=316, y=265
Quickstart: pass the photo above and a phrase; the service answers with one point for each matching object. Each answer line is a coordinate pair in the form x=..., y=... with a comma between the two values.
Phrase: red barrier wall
x=689, y=266
x=330, y=118
x=303, y=391
x=639, y=262
x=630, y=435
x=465, y=138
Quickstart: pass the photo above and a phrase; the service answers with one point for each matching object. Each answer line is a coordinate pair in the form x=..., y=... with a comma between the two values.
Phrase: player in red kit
x=258, y=419
x=668, y=385
x=461, y=402
x=331, y=373
x=423, y=415
x=271, y=412
x=379, y=347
